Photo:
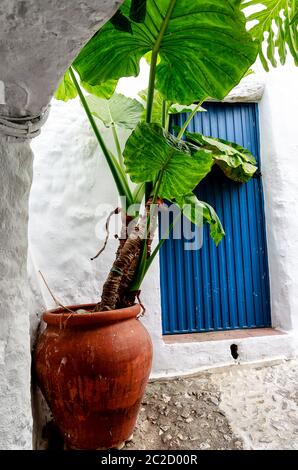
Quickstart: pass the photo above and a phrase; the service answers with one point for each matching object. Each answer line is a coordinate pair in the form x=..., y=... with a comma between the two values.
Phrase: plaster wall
x=279, y=151
x=55, y=31
x=15, y=361
x=72, y=180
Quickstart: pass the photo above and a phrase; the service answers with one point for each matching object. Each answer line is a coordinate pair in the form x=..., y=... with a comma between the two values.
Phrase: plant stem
x=155, y=251
x=122, y=176
x=150, y=97
x=118, y=147
x=154, y=56
x=157, y=187
x=123, y=190
x=167, y=125
x=192, y=114
x=164, y=114
x=138, y=193
x=151, y=85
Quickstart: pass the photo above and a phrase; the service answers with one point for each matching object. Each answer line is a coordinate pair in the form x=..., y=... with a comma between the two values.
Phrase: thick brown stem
x=126, y=296
x=126, y=256
x=116, y=290
x=126, y=220
x=153, y=210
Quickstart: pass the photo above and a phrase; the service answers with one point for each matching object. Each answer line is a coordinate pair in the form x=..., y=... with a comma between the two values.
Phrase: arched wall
x=38, y=41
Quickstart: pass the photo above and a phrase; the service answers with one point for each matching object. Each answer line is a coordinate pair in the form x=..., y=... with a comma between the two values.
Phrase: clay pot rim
x=62, y=317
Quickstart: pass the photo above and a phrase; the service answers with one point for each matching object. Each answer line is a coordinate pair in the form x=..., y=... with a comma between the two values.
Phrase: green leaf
x=204, y=49
x=280, y=42
x=249, y=72
x=66, y=89
x=152, y=154
x=105, y=90
x=137, y=11
x=180, y=108
x=292, y=38
x=271, y=48
x=119, y=110
x=236, y=162
x=121, y=22
x=294, y=19
x=148, y=57
x=157, y=106
x=280, y=32
x=199, y=212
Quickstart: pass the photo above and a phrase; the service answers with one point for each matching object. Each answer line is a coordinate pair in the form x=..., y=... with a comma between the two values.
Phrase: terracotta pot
x=93, y=369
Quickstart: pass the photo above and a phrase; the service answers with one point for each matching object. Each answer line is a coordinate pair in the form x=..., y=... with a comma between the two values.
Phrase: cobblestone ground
x=241, y=407
x=261, y=404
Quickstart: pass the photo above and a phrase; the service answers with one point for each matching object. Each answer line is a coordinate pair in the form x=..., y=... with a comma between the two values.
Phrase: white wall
x=71, y=179
x=279, y=152
x=15, y=401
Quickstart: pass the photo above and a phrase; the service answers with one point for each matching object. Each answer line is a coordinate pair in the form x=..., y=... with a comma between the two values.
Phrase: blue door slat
x=181, y=305
x=217, y=323
x=222, y=269
x=206, y=289
x=248, y=227
x=260, y=293
x=244, y=230
x=226, y=253
x=214, y=268
x=168, y=301
x=252, y=196
x=164, y=298
x=263, y=247
x=238, y=258
x=235, y=221
x=226, y=287
x=197, y=281
x=189, y=297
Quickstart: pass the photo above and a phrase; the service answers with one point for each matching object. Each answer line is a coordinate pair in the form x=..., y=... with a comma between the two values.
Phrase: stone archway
x=38, y=41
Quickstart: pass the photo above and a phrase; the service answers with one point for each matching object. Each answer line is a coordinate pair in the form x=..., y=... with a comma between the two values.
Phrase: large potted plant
x=93, y=361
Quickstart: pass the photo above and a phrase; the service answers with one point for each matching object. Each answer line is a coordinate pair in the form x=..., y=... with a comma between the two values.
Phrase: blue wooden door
x=224, y=287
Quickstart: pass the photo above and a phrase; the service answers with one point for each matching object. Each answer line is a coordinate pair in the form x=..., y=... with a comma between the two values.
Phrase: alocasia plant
x=196, y=49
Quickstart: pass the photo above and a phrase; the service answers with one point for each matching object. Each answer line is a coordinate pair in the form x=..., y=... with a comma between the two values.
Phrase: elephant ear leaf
x=236, y=162
x=137, y=11
x=121, y=22
x=156, y=115
x=153, y=155
x=275, y=23
x=180, y=108
x=203, y=47
x=66, y=89
x=105, y=90
x=119, y=110
x=157, y=107
x=199, y=212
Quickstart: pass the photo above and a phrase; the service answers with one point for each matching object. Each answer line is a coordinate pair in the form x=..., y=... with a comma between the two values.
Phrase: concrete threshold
x=221, y=335
x=210, y=370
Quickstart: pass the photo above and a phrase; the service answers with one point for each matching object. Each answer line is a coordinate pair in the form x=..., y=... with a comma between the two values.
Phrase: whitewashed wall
x=71, y=179
x=279, y=151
